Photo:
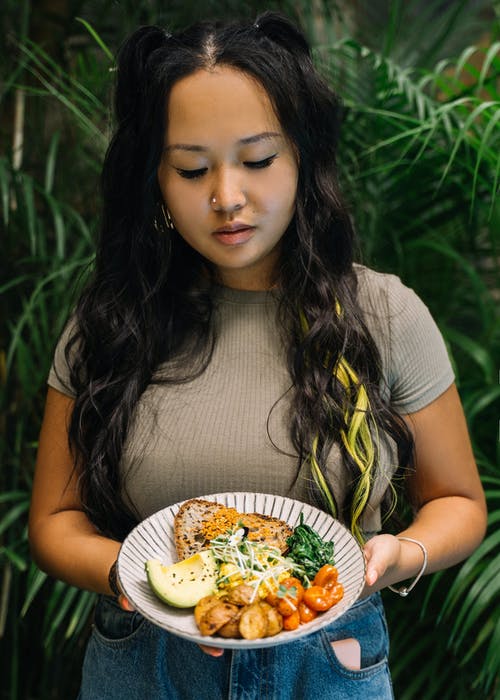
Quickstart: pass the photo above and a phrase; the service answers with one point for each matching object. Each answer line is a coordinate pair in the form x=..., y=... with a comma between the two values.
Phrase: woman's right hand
x=211, y=651
x=125, y=603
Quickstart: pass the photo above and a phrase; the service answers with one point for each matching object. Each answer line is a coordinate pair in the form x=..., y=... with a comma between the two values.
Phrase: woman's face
x=228, y=175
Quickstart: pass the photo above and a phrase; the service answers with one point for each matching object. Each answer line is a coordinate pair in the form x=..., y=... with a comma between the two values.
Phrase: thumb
x=372, y=571
x=378, y=554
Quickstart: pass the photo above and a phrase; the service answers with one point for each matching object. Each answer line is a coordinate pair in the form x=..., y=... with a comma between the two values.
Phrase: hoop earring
x=168, y=219
x=167, y=224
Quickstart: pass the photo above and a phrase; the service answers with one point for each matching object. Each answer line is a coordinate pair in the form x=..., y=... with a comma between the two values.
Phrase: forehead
x=221, y=104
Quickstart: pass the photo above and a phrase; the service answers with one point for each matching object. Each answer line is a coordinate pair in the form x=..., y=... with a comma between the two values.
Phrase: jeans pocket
x=364, y=622
x=112, y=624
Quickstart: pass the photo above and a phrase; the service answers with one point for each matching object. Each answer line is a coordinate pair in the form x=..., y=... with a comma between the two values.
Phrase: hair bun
x=282, y=31
x=132, y=67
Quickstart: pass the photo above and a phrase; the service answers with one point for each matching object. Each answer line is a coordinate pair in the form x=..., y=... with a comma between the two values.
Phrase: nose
x=228, y=194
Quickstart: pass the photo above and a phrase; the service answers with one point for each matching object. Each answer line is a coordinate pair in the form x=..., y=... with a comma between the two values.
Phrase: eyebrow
x=264, y=136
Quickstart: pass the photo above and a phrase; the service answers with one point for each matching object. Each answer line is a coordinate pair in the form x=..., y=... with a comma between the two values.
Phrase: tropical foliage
x=420, y=166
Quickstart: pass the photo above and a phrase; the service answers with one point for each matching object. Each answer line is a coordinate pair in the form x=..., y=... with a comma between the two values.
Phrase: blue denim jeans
x=128, y=658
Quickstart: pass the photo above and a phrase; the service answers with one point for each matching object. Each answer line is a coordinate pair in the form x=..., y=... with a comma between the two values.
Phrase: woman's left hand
x=382, y=553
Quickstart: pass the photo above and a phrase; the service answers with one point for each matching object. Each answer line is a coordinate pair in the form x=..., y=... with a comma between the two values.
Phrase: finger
x=375, y=564
x=125, y=604
x=211, y=651
x=371, y=575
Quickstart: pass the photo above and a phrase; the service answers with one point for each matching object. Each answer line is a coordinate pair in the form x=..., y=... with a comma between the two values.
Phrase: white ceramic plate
x=154, y=539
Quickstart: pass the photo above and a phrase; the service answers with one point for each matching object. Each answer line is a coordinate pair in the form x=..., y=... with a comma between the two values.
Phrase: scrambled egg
x=230, y=576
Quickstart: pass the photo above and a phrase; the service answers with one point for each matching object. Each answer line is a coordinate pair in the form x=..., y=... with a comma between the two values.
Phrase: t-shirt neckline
x=245, y=296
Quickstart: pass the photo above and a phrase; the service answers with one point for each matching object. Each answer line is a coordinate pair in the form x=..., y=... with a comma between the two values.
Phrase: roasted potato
x=241, y=595
x=253, y=622
x=232, y=619
x=216, y=617
x=231, y=630
x=203, y=606
x=274, y=619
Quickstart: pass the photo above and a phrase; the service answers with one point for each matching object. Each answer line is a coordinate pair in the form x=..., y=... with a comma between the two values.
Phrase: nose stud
x=218, y=205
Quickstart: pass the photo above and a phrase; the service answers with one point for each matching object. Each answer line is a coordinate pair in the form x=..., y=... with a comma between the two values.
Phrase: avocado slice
x=183, y=584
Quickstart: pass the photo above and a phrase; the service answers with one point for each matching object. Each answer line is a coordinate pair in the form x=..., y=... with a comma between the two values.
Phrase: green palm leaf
x=419, y=162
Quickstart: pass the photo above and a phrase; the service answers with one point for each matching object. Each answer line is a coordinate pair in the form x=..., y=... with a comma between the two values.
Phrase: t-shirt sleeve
x=59, y=374
x=419, y=367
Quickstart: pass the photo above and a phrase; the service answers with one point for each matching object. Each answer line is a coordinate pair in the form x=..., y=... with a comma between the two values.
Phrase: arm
x=451, y=510
x=63, y=541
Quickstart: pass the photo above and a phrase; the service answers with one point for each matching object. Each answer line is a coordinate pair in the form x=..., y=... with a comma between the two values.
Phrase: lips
x=234, y=233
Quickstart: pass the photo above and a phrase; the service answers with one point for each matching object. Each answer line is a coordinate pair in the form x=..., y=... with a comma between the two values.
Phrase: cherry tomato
x=291, y=622
x=326, y=576
x=294, y=587
x=306, y=613
x=272, y=599
x=290, y=593
x=287, y=606
x=336, y=593
x=318, y=598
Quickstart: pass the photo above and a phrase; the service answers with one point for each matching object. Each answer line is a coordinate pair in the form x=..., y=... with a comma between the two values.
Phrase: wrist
x=412, y=571
x=113, y=579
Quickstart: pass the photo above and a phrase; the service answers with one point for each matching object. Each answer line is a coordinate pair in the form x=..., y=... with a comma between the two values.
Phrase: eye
x=191, y=174
x=256, y=164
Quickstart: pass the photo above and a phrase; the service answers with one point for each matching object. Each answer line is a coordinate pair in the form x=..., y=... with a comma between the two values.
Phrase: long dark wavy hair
x=148, y=300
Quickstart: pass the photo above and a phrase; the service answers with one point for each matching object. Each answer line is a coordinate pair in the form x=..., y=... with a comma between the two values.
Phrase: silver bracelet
x=404, y=590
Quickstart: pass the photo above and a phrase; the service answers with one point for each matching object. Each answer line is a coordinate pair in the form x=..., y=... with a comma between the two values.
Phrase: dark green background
x=419, y=165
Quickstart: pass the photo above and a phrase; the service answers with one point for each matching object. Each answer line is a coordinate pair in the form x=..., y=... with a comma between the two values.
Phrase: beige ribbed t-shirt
x=227, y=430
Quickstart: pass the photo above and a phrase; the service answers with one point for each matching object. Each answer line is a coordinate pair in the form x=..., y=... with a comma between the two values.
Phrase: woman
x=227, y=342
